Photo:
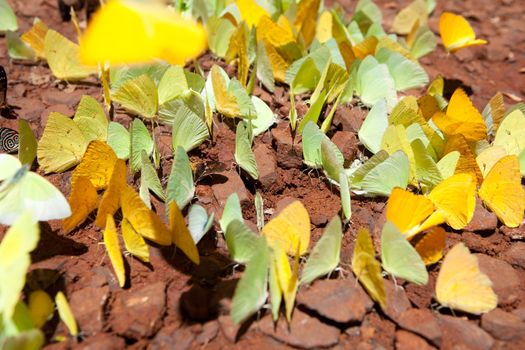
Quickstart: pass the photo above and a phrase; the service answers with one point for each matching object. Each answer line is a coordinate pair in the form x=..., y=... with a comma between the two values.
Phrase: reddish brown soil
x=172, y=304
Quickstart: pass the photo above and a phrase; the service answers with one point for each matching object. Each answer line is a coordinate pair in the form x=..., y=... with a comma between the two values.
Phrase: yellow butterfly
x=367, y=269
x=502, y=191
x=407, y=210
x=251, y=12
x=461, y=118
x=456, y=32
x=467, y=159
x=124, y=32
x=291, y=228
x=287, y=277
x=113, y=248
x=180, y=234
x=462, y=286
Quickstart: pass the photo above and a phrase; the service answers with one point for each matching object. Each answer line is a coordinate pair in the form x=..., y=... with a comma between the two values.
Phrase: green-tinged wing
x=447, y=164
x=140, y=140
x=374, y=83
x=312, y=139
x=180, y=183
x=393, y=172
x=241, y=241
x=407, y=74
x=264, y=68
x=150, y=177
x=7, y=17
x=424, y=42
x=251, y=291
x=232, y=211
x=199, y=223
x=344, y=191
x=265, y=117
x=325, y=256
x=399, y=257
x=119, y=139
x=243, y=150
x=172, y=84
x=27, y=143
x=139, y=96
x=374, y=126
x=427, y=171
x=332, y=164
x=189, y=130
x=16, y=48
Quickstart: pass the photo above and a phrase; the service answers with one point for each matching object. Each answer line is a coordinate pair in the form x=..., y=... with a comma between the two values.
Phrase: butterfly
x=8, y=140
x=462, y=286
x=125, y=32
x=461, y=118
x=21, y=190
x=456, y=32
x=291, y=228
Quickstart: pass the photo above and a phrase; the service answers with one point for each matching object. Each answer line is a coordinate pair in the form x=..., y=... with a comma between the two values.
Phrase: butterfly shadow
x=450, y=85
x=51, y=244
x=9, y=112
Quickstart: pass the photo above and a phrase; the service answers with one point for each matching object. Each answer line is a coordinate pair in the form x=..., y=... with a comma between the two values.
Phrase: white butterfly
x=22, y=190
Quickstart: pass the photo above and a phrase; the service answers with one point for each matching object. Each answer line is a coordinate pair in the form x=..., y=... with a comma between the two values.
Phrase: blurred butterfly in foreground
x=8, y=140
x=21, y=189
x=456, y=32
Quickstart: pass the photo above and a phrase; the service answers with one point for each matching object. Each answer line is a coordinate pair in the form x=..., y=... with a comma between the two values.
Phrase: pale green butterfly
x=325, y=256
x=407, y=74
x=374, y=83
x=252, y=290
x=243, y=150
x=22, y=190
x=399, y=258
x=232, y=211
x=374, y=126
x=199, y=223
x=241, y=241
x=119, y=139
x=383, y=177
x=7, y=17
x=180, y=182
x=140, y=140
x=311, y=140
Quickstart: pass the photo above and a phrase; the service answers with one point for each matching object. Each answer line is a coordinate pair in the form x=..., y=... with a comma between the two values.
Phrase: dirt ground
x=173, y=304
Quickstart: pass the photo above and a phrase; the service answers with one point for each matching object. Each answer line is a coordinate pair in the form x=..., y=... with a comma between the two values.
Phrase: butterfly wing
x=456, y=32
x=462, y=286
x=502, y=192
x=400, y=258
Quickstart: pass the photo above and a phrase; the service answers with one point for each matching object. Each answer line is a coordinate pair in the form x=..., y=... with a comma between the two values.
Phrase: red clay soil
x=173, y=304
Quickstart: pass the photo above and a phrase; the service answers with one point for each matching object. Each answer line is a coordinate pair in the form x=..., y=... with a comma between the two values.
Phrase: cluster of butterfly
x=445, y=149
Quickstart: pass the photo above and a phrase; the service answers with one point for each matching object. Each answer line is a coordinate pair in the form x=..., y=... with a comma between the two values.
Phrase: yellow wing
x=455, y=200
x=431, y=246
x=226, y=103
x=461, y=118
x=97, y=164
x=134, y=242
x=127, y=32
x=251, y=12
x=143, y=220
x=110, y=201
x=407, y=210
x=488, y=157
x=456, y=32
x=291, y=228
x=288, y=278
x=502, y=191
x=35, y=37
x=367, y=269
x=467, y=160
x=83, y=200
x=113, y=248
x=306, y=19
x=65, y=313
x=462, y=286
x=180, y=234
x=62, y=145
